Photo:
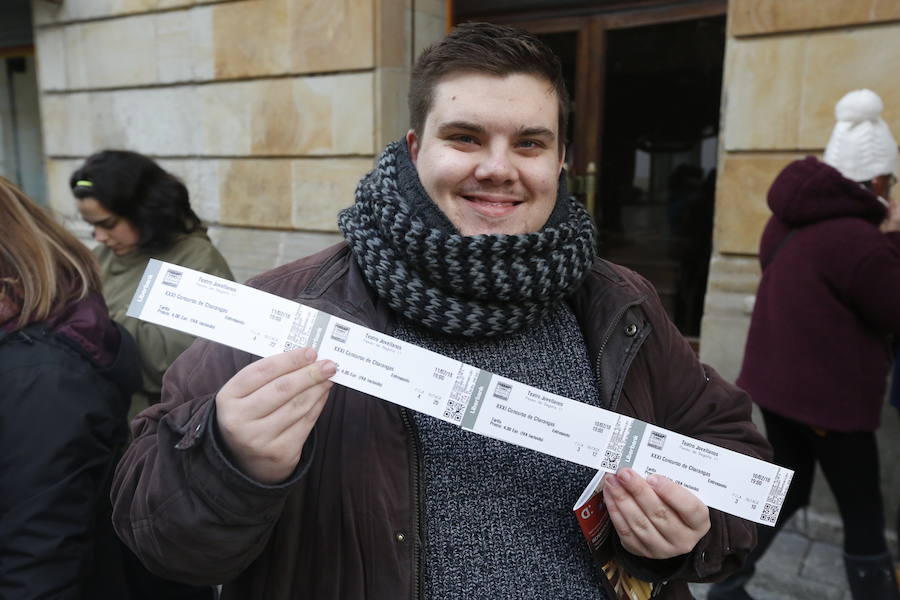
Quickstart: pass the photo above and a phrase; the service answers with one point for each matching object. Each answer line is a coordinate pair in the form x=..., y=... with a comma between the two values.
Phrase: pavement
x=804, y=562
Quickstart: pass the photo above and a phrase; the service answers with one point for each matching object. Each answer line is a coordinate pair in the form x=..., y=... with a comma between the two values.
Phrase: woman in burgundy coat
x=818, y=350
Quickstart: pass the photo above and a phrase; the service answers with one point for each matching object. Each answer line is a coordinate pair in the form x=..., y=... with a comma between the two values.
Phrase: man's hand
x=266, y=411
x=656, y=517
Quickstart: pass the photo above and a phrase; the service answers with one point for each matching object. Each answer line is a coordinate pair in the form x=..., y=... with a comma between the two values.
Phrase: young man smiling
x=489, y=153
x=263, y=474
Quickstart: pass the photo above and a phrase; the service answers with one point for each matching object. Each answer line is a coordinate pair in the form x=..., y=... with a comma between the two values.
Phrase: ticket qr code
x=454, y=411
x=611, y=459
x=769, y=513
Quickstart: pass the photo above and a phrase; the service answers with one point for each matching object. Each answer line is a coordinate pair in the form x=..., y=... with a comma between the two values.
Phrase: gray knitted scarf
x=481, y=285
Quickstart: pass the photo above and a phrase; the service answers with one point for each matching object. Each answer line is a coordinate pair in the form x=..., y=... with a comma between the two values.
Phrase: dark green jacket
x=157, y=346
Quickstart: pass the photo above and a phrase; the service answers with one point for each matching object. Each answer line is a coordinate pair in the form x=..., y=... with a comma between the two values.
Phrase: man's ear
x=562, y=160
x=413, y=143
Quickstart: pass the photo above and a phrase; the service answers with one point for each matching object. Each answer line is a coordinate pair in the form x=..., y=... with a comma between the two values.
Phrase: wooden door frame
x=590, y=55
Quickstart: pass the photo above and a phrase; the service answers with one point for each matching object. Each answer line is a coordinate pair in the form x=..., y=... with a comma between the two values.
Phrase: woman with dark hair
x=140, y=211
x=66, y=375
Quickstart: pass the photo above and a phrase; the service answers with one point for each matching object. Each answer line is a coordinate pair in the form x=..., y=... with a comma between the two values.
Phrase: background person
x=262, y=473
x=66, y=376
x=139, y=211
x=818, y=350
x=894, y=399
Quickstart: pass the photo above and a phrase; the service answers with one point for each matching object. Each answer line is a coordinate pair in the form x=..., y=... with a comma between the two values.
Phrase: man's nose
x=496, y=165
x=100, y=235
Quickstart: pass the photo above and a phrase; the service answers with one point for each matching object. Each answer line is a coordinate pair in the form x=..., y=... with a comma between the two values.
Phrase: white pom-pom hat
x=861, y=146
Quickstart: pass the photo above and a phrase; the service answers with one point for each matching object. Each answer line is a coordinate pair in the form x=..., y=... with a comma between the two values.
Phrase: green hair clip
x=83, y=183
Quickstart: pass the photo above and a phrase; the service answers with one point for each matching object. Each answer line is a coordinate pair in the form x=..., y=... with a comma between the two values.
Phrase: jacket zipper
x=415, y=453
x=612, y=401
x=657, y=587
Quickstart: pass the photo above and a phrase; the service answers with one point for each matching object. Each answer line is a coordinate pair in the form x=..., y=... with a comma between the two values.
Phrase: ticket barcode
x=298, y=327
x=777, y=492
x=616, y=445
x=462, y=385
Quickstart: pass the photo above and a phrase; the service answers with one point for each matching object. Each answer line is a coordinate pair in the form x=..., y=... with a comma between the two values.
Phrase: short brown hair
x=484, y=48
x=43, y=267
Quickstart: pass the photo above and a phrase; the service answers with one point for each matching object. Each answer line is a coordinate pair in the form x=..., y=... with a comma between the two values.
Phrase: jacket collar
x=84, y=327
x=349, y=296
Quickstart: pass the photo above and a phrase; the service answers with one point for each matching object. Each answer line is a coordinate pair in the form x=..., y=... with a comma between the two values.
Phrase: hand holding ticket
x=418, y=379
x=654, y=517
x=266, y=411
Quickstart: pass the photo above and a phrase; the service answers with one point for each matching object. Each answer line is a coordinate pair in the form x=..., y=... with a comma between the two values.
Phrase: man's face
x=489, y=153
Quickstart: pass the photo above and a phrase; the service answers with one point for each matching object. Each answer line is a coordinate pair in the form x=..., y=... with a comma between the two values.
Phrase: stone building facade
x=270, y=110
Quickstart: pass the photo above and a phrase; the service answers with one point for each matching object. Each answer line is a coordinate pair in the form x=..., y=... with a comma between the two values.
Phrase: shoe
x=871, y=577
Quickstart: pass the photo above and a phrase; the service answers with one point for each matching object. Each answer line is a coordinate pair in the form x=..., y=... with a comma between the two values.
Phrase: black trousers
x=849, y=462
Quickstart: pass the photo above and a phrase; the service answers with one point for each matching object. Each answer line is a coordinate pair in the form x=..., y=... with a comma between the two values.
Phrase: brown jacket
x=346, y=525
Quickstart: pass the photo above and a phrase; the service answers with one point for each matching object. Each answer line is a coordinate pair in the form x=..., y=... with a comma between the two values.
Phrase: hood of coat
x=85, y=325
x=809, y=191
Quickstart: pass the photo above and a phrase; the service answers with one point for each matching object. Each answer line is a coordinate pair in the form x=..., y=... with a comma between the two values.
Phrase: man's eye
x=464, y=139
x=530, y=144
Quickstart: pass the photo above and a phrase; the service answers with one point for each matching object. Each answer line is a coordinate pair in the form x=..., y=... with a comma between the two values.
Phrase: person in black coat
x=67, y=373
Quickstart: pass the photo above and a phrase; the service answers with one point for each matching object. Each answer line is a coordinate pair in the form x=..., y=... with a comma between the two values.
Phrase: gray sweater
x=498, y=518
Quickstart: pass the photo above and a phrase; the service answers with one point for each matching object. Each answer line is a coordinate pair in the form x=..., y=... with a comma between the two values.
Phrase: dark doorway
x=658, y=157
x=645, y=79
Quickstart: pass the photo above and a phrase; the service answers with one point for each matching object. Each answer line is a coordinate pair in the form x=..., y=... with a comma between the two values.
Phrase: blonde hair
x=43, y=267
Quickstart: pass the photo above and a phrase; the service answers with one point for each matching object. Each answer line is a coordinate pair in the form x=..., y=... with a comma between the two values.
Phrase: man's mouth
x=491, y=206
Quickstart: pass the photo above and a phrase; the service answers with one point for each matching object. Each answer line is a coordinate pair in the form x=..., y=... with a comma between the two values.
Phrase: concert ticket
x=476, y=400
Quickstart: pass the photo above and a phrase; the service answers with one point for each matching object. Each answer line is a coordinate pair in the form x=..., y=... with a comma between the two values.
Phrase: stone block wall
x=270, y=110
x=786, y=65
